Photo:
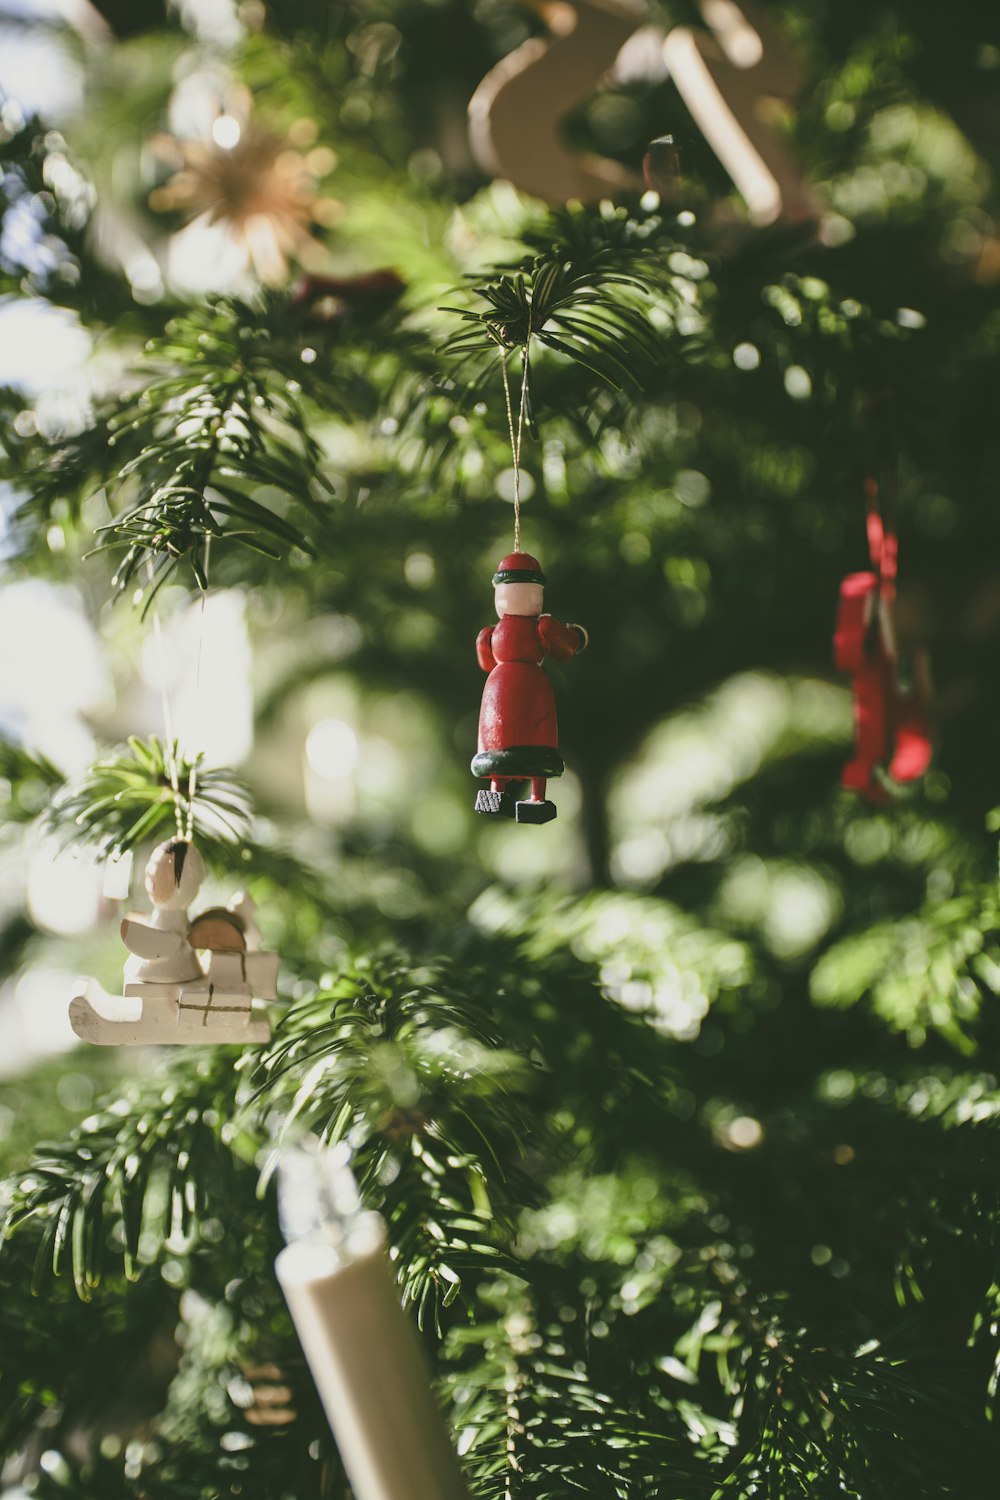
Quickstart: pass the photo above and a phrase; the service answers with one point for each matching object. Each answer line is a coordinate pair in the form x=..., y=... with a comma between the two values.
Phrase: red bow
x=891, y=732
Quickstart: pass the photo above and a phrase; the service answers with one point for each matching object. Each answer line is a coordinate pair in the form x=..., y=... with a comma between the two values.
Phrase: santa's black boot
x=497, y=802
x=535, y=809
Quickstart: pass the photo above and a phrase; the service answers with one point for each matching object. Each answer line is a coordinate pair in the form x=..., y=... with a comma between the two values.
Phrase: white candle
x=362, y=1351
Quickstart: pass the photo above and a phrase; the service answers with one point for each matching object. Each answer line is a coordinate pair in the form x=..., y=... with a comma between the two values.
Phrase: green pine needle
x=128, y=798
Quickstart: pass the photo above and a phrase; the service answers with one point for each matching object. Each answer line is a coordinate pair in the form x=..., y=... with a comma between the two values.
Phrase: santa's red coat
x=519, y=707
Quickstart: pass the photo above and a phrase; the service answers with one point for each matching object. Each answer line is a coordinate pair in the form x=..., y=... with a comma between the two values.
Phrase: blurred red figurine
x=892, y=736
x=518, y=734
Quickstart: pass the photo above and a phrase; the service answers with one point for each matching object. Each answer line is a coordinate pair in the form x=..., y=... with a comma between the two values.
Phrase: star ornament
x=257, y=188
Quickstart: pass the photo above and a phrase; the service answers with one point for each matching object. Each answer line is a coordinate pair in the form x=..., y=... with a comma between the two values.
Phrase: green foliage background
x=681, y=1111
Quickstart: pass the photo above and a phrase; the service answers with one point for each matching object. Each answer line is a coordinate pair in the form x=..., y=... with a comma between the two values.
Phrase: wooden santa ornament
x=518, y=733
x=893, y=745
x=185, y=981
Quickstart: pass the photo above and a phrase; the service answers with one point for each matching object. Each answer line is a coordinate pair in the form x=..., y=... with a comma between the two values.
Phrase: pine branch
x=924, y=972
x=128, y=798
x=215, y=446
x=65, y=1360
x=124, y=1193
x=534, y=1421
x=827, y=1423
x=27, y=783
x=88, y=1202
x=224, y=417
x=651, y=958
x=404, y=1068
x=588, y=313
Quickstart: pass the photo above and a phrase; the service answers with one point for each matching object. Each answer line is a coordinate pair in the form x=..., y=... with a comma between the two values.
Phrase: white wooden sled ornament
x=729, y=77
x=185, y=981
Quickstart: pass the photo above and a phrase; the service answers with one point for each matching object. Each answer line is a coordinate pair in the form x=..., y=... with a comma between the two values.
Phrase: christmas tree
x=679, y=1110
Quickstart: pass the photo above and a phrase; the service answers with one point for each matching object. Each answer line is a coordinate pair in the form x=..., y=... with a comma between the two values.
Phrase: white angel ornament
x=185, y=981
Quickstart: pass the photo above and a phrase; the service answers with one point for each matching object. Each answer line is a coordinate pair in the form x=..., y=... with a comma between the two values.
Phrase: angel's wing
x=150, y=942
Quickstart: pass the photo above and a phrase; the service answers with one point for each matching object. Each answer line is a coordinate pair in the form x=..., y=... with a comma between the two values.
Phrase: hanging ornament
x=734, y=73
x=892, y=737
x=516, y=112
x=731, y=71
x=185, y=981
x=518, y=732
x=258, y=189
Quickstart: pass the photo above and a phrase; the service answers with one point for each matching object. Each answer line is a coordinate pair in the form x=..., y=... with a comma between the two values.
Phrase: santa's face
x=519, y=598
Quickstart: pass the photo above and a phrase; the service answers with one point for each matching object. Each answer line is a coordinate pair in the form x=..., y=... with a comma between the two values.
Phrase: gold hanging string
x=183, y=819
x=170, y=743
x=516, y=434
x=193, y=773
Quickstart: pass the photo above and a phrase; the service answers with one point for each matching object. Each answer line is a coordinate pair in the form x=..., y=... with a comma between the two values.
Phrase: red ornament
x=518, y=732
x=892, y=736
